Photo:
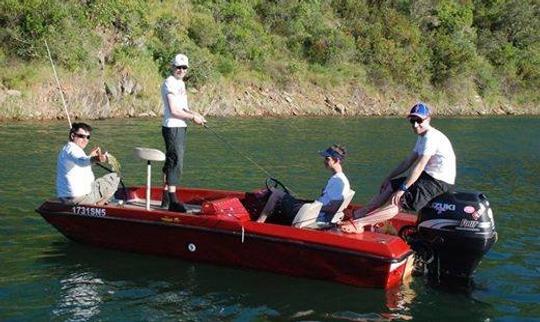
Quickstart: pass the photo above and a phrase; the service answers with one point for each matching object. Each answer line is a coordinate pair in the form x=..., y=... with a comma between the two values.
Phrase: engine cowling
x=455, y=230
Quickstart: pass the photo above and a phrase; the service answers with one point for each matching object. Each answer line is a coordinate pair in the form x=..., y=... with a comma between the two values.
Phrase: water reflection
x=80, y=297
x=95, y=281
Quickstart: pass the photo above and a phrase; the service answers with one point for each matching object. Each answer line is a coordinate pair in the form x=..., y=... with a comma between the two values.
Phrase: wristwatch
x=403, y=187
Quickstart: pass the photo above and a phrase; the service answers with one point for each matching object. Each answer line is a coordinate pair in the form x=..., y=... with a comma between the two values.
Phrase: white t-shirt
x=74, y=176
x=177, y=87
x=336, y=188
x=442, y=164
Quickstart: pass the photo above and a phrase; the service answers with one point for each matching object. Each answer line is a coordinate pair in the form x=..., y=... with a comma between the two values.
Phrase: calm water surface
x=46, y=277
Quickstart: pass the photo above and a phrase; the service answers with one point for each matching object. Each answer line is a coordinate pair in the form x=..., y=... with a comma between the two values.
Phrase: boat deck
x=156, y=205
x=399, y=221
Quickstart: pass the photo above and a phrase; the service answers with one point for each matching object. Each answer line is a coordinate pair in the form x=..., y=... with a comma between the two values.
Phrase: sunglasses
x=416, y=120
x=181, y=67
x=82, y=136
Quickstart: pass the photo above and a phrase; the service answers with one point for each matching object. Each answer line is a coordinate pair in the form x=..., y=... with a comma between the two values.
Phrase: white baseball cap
x=180, y=60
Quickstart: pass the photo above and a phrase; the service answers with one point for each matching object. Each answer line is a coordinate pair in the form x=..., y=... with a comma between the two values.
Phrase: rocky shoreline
x=244, y=100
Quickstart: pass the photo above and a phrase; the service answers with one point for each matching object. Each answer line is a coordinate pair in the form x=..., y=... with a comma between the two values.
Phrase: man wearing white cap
x=175, y=114
x=432, y=172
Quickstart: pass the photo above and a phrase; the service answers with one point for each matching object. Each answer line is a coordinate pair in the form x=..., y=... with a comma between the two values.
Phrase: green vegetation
x=464, y=56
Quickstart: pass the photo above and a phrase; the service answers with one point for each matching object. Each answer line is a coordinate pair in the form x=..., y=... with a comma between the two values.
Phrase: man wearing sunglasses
x=432, y=171
x=75, y=181
x=175, y=115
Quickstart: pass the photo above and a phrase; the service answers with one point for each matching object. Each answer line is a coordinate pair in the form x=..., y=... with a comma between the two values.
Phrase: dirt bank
x=225, y=100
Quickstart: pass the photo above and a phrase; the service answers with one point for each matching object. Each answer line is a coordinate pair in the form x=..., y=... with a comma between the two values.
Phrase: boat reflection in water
x=98, y=283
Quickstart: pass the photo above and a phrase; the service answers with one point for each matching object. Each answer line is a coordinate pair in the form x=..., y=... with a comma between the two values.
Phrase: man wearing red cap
x=432, y=171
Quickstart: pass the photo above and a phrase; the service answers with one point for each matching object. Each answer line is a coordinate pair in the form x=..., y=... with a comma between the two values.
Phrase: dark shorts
x=286, y=210
x=421, y=192
x=175, y=138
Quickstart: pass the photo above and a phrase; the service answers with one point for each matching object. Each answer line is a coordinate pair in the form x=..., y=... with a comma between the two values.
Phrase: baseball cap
x=335, y=151
x=420, y=110
x=180, y=60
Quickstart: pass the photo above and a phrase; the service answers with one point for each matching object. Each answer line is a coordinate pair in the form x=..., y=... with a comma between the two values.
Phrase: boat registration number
x=88, y=211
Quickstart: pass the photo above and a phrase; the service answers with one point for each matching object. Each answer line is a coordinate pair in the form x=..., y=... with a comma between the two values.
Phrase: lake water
x=45, y=277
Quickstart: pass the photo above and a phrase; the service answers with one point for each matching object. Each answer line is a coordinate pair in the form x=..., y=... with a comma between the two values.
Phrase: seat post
x=148, y=183
x=149, y=155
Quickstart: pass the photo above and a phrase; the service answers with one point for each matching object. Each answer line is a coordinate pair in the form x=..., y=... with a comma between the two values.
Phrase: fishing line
x=239, y=152
x=232, y=147
x=58, y=84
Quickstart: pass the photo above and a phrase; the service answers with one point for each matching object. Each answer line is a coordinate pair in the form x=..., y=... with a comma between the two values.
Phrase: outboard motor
x=454, y=231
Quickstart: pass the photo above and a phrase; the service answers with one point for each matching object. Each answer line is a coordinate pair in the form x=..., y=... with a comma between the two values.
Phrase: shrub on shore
x=449, y=52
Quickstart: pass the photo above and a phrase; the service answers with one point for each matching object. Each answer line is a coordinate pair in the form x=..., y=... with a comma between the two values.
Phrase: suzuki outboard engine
x=454, y=231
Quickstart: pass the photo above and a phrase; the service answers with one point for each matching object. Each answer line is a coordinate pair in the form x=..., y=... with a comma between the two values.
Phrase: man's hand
x=198, y=118
x=95, y=151
x=97, y=155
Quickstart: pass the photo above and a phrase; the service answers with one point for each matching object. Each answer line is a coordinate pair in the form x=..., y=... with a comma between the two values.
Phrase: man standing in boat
x=175, y=114
x=75, y=181
x=332, y=196
x=432, y=172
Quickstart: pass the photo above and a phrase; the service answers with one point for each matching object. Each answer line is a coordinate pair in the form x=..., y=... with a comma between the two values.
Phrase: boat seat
x=338, y=216
x=148, y=154
x=309, y=212
x=307, y=215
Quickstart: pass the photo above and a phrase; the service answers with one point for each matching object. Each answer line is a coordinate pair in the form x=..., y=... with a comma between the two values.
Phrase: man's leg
x=174, y=142
x=270, y=204
x=374, y=203
x=169, y=160
x=106, y=186
x=164, y=194
x=416, y=197
x=378, y=215
x=102, y=190
x=175, y=204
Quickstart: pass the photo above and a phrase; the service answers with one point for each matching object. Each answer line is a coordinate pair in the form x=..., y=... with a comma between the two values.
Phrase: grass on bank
x=462, y=56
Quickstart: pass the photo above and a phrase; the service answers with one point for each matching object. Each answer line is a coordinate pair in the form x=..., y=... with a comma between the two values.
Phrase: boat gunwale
x=306, y=244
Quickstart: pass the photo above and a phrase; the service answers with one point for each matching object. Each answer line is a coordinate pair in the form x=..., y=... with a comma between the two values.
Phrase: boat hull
x=367, y=260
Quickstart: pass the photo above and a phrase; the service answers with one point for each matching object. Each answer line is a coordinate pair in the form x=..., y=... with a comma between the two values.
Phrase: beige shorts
x=102, y=190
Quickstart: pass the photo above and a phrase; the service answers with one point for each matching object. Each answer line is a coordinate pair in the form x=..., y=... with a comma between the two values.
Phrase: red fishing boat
x=220, y=227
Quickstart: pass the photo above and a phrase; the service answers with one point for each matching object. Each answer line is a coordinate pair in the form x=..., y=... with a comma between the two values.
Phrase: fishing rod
x=240, y=152
x=69, y=119
x=232, y=147
x=58, y=83
x=110, y=170
x=61, y=92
